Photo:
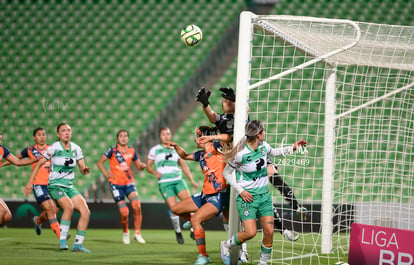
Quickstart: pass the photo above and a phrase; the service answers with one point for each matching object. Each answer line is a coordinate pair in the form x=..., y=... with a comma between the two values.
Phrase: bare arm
x=181, y=152
x=224, y=137
x=20, y=162
x=211, y=114
x=28, y=188
x=139, y=164
x=82, y=168
x=151, y=170
x=101, y=167
x=6, y=163
x=187, y=172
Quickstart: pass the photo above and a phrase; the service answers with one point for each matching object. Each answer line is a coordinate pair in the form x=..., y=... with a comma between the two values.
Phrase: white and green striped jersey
x=251, y=167
x=166, y=162
x=62, y=163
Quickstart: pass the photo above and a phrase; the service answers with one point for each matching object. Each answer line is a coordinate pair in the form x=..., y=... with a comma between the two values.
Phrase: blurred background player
x=122, y=183
x=5, y=214
x=214, y=197
x=64, y=156
x=40, y=182
x=254, y=201
x=225, y=124
x=169, y=176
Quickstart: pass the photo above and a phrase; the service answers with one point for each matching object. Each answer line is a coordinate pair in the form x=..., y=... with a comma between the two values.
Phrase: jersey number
x=259, y=163
x=168, y=156
x=68, y=162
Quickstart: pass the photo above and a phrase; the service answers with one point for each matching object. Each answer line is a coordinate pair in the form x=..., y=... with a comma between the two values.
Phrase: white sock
x=244, y=247
x=226, y=227
x=80, y=236
x=64, y=229
x=175, y=220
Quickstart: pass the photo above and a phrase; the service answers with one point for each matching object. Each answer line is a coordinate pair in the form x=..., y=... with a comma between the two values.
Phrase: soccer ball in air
x=341, y=263
x=191, y=35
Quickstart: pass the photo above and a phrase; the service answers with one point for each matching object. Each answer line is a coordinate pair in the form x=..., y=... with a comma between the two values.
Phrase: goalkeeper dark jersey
x=225, y=123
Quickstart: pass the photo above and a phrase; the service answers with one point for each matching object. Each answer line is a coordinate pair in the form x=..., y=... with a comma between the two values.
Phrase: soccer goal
x=347, y=88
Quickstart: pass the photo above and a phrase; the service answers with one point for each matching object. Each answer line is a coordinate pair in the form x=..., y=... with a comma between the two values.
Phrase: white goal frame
x=243, y=87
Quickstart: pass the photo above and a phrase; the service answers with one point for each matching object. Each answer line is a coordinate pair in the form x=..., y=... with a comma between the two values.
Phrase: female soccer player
x=121, y=182
x=254, y=200
x=170, y=182
x=64, y=156
x=40, y=181
x=214, y=196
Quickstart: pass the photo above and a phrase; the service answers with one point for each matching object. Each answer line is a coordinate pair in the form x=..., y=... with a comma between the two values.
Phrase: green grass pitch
x=23, y=246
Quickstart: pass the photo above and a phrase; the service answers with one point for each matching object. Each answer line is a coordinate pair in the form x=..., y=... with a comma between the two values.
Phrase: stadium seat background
x=102, y=66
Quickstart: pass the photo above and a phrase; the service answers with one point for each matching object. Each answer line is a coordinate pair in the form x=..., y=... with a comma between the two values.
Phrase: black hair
x=38, y=129
x=119, y=132
x=207, y=131
x=60, y=125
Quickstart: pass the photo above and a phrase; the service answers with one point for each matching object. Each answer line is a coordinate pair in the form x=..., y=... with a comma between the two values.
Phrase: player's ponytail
x=252, y=129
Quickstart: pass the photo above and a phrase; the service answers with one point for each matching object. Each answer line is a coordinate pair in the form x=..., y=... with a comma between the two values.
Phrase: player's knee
x=250, y=234
x=6, y=218
x=196, y=219
x=136, y=205
x=124, y=211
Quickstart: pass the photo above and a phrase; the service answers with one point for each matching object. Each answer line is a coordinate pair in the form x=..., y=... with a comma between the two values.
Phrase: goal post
x=330, y=82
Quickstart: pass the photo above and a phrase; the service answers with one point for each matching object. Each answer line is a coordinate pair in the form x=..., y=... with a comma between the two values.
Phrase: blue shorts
x=218, y=200
x=41, y=193
x=120, y=191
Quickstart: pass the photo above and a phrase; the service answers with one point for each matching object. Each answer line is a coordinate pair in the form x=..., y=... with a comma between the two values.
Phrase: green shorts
x=262, y=205
x=172, y=188
x=57, y=192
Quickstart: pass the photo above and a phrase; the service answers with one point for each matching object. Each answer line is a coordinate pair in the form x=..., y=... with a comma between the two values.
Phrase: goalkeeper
x=225, y=123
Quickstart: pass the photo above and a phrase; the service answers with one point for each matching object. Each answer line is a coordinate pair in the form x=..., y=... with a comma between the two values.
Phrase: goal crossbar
x=301, y=45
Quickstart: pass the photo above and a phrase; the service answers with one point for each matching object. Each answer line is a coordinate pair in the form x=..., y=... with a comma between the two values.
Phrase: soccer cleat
x=290, y=235
x=63, y=245
x=80, y=248
x=187, y=225
x=38, y=227
x=303, y=213
x=224, y=253
x=139, y=238
x=192, y=236
x=125, y=238
x=201, y=260
x=179, y=237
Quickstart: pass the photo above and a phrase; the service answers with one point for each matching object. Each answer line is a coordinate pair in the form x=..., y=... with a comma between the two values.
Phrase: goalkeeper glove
x=202, y=96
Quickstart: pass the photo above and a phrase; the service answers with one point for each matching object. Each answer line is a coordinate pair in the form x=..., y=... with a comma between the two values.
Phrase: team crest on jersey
x=263, y=151
x=74, y=153
x=246, y=212
x=130, y=155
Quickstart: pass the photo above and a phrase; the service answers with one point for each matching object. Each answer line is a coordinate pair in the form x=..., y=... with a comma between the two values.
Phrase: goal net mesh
x=374, y=125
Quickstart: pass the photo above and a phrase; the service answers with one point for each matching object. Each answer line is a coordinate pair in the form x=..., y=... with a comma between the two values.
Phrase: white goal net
x=348, y=89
